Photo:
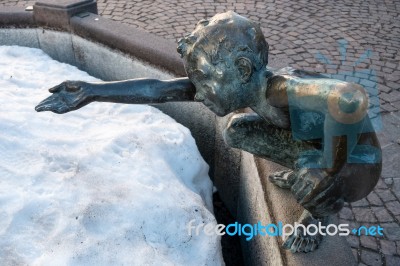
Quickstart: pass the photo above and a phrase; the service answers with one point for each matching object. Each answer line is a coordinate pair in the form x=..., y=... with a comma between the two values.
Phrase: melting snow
x=106, y=185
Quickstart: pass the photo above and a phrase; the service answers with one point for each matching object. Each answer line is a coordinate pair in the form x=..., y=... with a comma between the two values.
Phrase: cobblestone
x=306, y=35
x=371, y=258
x=393, y=207
x=388, y=247
x=354, y=241
x=364, y=215
x=392, y=260
x=361, y=203
x=369, y=242
x=382, y=214
x=374, y=200
x=392, y=231
x=386, y=195
x=346, y=214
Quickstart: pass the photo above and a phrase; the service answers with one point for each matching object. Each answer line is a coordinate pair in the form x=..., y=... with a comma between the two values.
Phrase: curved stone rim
x=137, y=43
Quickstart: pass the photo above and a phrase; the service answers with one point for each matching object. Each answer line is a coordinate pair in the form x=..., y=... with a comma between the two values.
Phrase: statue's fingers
x=304, y=245
x=57, y=88
x=298, y=184
x=322, y=189
x=53, y=103
x=330, y=206
x=47, y=104
x=46, y=107
x=309, y=246
x=61, y=109
x=301, y=178
x=304, y=191
x=317, y=196
x=313, y=246
x=295, y=246
x=42, y=108
x=322, y=203
x=287, y=244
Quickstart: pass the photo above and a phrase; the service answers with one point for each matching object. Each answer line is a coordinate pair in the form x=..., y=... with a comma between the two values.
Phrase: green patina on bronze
x=317, y=127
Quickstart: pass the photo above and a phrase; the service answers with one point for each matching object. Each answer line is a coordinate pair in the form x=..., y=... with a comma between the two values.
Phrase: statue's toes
x=311, y=245
x=296, y=244
x=304, y=245
x=301, y=243
x=281, y=179
x=293, y=243
x=287, y=244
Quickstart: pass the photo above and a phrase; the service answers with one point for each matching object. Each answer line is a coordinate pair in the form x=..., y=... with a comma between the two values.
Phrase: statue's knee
x=244, y=121
x=239, y=127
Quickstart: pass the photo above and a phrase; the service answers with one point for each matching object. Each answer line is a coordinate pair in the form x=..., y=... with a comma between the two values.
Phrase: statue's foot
x=301, y=242
x=282, y=179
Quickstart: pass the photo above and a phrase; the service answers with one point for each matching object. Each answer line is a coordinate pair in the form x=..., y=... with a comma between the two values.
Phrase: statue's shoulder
x=297, y=73
x=282, y=81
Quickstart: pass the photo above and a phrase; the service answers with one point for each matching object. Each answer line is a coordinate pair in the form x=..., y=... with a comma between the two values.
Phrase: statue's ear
x=245, y=68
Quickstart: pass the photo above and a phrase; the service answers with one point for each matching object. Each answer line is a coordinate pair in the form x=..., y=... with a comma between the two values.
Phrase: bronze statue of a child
x=226, y=61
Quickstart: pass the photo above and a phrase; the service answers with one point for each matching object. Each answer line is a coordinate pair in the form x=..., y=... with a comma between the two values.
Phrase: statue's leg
x=320, y=195
x=252, y=133
x=316, y=211
x=363, y=174
x=356, y=180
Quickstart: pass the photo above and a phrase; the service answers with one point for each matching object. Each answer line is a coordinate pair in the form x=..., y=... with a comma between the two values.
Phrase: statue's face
x=216, y=86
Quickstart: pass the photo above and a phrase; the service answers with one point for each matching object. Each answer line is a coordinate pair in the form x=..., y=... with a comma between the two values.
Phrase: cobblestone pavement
x=306, y=34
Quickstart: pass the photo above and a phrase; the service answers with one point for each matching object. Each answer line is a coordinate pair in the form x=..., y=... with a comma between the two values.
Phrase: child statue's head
x=222, y=57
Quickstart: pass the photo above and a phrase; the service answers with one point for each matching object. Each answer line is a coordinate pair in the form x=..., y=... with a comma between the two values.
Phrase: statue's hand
x=67, y=96
x=318, y=192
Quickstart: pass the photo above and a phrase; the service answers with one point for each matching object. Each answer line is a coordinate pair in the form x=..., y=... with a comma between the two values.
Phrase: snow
x=110, y=184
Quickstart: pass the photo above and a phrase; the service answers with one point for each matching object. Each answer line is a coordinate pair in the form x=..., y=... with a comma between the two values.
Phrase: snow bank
x=106, y=185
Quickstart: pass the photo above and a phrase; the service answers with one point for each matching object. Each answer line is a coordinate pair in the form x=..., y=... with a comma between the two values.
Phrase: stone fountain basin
x=112, y=51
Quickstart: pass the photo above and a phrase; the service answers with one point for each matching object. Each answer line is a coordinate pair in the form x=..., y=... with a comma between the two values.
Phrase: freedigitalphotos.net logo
x=279, y=229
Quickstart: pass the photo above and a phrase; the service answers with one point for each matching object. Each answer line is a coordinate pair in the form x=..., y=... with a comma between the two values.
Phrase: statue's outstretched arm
x=72, y=95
